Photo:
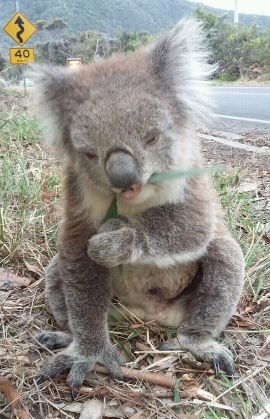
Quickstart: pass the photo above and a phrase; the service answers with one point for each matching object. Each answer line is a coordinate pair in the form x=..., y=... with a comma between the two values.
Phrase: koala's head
x=121, y=120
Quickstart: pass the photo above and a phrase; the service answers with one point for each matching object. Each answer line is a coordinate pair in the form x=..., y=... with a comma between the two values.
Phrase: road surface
x=241, y=109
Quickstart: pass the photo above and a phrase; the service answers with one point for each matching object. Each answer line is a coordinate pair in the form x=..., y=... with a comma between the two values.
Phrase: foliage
x=56, y=23
x=240, y=51
x=112, y=16
x=90, y=45
x=130, y=41
x=40, y=24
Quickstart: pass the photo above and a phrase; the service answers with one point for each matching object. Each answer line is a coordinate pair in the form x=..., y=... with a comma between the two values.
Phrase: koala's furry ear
x=54, y=96
x=180, y=60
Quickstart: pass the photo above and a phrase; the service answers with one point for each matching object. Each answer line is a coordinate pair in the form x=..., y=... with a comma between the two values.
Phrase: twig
x=159, y=379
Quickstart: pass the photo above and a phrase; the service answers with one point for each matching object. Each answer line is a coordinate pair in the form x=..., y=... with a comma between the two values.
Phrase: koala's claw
x=222, y=362
x=219, y=357
x=80, y=365
x=78, y=371
x=73, y=395
x=215, y=364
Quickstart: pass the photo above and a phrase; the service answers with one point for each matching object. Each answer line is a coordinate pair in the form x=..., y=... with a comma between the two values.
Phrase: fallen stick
x=159, y=379
x=13, y=399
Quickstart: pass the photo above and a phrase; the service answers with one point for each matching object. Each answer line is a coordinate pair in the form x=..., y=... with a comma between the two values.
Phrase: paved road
x=240, y=109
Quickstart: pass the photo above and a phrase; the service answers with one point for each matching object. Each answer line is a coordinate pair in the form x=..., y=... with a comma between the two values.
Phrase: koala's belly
x=152, y=293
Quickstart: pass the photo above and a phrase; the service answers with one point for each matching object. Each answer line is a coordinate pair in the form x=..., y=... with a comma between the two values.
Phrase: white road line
x=241, y=87
x=239, y=118
x=238, y=93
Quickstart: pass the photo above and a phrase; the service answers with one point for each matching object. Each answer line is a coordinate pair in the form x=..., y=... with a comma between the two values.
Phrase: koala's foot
x=217, y=355
x=54, y=340
x=81, y=364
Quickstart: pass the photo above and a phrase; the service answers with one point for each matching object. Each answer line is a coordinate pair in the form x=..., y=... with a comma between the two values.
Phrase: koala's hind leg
x=212, y=305
x=56, y=300
x=55, y=294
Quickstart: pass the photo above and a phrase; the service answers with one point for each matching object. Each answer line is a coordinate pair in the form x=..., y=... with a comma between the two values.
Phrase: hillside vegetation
x=112, y=16
x=97, y=29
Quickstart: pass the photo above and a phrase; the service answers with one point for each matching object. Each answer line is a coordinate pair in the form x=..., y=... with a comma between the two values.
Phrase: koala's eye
x=151, y=140
x=91, y=156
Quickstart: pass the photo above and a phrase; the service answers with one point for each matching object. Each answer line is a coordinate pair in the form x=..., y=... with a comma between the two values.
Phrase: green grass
x=29, y=190
x=226, y=76
x=248, y=228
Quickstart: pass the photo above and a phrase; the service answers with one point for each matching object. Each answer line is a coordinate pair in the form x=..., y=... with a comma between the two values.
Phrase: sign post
x=20, y=29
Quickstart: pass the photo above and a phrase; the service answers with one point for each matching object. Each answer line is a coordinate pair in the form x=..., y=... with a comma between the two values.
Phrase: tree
x=57, y=23
x=40, y=24
x=130, y=41
x=236, y=49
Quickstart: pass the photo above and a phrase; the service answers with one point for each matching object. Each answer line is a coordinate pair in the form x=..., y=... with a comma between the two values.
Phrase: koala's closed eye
x=91, y=156
x=151, y=139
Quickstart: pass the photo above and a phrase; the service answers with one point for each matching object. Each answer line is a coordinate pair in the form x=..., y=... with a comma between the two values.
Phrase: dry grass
x=29, y=215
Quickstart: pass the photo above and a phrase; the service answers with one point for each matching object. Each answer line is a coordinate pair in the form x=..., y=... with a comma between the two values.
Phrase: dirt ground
x=255, y=165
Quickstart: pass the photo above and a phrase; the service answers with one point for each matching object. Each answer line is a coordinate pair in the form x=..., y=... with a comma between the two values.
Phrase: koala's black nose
x=122, y=170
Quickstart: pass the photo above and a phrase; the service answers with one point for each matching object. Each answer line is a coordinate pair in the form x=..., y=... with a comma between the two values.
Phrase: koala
x=168, y=255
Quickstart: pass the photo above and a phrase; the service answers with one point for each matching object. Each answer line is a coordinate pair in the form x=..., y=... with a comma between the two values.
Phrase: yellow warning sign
x=21, y=55
x=20, y=29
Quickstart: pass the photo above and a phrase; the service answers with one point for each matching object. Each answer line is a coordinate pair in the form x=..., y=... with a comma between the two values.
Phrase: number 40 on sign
x=21, y=55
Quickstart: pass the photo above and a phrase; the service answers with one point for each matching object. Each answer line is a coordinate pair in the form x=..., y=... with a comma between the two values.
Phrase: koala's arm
x=86, y=289
x=87, y=295
x=166, y=234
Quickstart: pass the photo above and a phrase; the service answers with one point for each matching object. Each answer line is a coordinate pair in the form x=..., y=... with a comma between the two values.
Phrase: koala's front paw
x=53, y=339
x=217, y=355
x=113, y=245
x=81, y=364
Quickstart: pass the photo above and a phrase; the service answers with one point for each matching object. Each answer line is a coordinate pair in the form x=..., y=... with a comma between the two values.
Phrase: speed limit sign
x=21, y=55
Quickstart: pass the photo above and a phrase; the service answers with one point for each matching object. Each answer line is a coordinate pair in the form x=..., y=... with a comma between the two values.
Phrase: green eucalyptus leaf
x=159, y=177
x=112, y=211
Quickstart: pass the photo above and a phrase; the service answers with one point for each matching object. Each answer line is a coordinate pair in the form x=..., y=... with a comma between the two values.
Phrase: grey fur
x=182, y=266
